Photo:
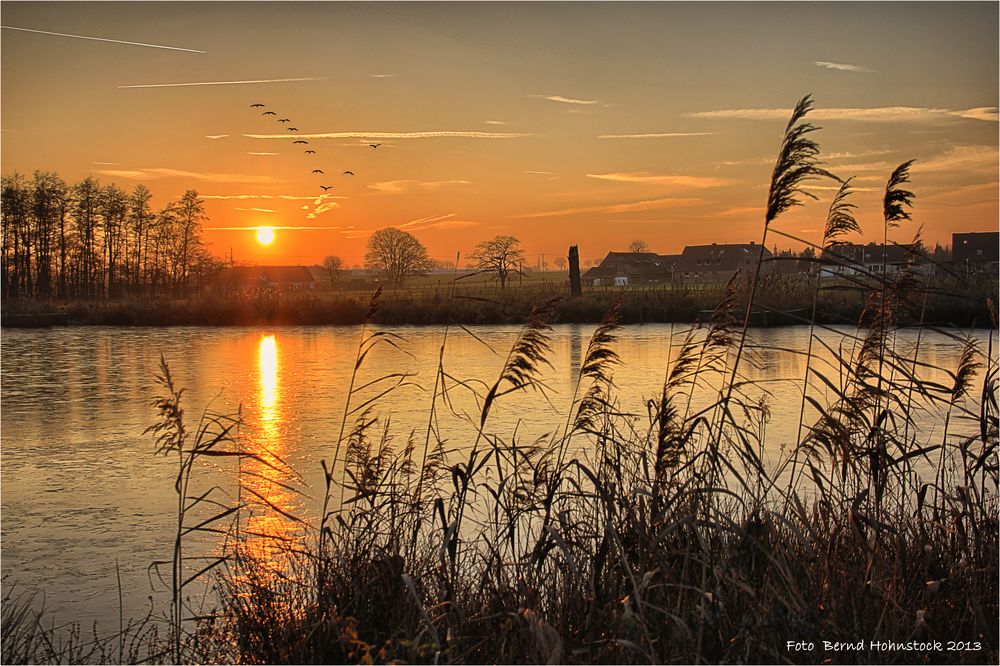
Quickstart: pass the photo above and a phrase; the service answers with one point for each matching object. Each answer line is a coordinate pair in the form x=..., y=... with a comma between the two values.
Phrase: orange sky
x=562, y=123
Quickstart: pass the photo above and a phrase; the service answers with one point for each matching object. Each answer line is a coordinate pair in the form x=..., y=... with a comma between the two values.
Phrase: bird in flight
x=284, y=120
x=326, y=187
x=374, y=145
x=269, y=113
x=300, y=141
x=255, y=105
x=348, y=173
x=293, y=129
x=317, y=171
x=310, y=152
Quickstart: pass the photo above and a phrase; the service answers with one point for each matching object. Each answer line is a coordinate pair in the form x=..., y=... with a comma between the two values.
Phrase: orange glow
x=265, y=479
x=265, y=235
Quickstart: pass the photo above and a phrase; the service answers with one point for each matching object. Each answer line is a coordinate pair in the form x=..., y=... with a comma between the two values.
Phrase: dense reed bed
x=666, y=536
x=787, y=300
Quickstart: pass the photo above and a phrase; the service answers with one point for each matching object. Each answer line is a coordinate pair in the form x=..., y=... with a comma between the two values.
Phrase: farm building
x=717, y=262
x=976, y=253
x=627, y=268
x=275, y=277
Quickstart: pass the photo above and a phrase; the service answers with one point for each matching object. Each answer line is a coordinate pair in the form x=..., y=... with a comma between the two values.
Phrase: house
x=976, y=253
x=275, y=277
x=624, y=268
x=856, y=259
x=717, y=262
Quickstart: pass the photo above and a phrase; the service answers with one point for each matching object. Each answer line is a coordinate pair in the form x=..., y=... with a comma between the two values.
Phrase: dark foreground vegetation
x=662, y=537
x=780, y=300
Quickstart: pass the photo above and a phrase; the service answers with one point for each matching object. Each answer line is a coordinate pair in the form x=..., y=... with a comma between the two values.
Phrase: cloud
x=654, y=179
x=495, y=122
x=873, y=114
x=216, y=136
x=566, y=100
x=656, y=135
x=646, y=204
x=987, y=113
x=541, y=173
x=401, y=186
x=382, y=76
x=257, y=210
x=844, y=67
x=101, y=39
x=392, y=135
x=961, y=158
x=153, y=174
x=222, y=83
x=446, y=221
x=323, y=203
x=269, y=226
x=741, y=211
x=263, y=154
x=107, y=163
x=835, y=188
x=286, y=197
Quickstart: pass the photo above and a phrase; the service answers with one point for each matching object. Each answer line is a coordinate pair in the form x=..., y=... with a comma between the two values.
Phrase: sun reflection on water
x=267, y=480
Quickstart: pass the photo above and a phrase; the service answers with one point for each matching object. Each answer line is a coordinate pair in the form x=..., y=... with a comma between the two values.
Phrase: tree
x=334, y=268
x=396, y=255
x=561, y=263
x=500, y=255
x=638, y=246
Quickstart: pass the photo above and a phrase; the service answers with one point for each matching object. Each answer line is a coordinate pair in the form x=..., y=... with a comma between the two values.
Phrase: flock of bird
x=308, y=151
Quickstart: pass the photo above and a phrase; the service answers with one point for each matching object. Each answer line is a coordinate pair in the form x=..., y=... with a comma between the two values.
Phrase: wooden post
x=575, y=287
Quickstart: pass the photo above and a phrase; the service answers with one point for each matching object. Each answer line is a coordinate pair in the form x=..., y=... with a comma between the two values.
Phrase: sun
x=265, y=235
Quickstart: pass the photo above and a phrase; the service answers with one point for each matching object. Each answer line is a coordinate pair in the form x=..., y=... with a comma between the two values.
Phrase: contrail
x=101, y=39
x=221, y=83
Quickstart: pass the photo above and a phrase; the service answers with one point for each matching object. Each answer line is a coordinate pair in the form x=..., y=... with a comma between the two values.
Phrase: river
x=84, y=497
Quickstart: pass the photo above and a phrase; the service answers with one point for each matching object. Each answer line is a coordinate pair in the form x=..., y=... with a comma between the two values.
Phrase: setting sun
x=265, y=235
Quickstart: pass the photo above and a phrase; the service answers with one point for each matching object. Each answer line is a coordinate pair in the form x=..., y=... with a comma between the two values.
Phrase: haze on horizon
x=560, y=123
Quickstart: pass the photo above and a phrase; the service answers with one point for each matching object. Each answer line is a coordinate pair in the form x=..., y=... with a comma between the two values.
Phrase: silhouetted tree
x=638, y=246
x=560, y=263
x=396, y=255
x=334, y=268
x=501, y=256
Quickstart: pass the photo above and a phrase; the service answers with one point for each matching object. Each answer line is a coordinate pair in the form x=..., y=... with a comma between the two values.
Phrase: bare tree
x=395, y=254
x=334, y=268
x=561, y=263
x=500, y=255
x=638, y=246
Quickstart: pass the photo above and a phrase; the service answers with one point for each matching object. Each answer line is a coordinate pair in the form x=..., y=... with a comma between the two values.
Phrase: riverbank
x=778, y=303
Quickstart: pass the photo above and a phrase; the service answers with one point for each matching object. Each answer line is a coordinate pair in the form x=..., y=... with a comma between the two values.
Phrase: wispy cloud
x=263, y=154
x=392, y=135
x=965, y=159
x=244, y=197
x=270, y=226
x=102, y=39
x=632, y=206
x=845, y=67
x=566, y=100
x=257, y=210
x=382, y=76
x=987, y=113
x=872, y=114
x=216, y=136
x=446, y=221
x=153, y=174
x=541, y=173
x=656, y=179
x=401, y=186
x=495, y=122
x=323, y=204
x=107, y=163
x=741, y=211
x=654, y=135
x=222, y=83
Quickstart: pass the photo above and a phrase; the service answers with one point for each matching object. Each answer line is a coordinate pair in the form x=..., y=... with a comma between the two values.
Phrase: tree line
x=92, y=241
